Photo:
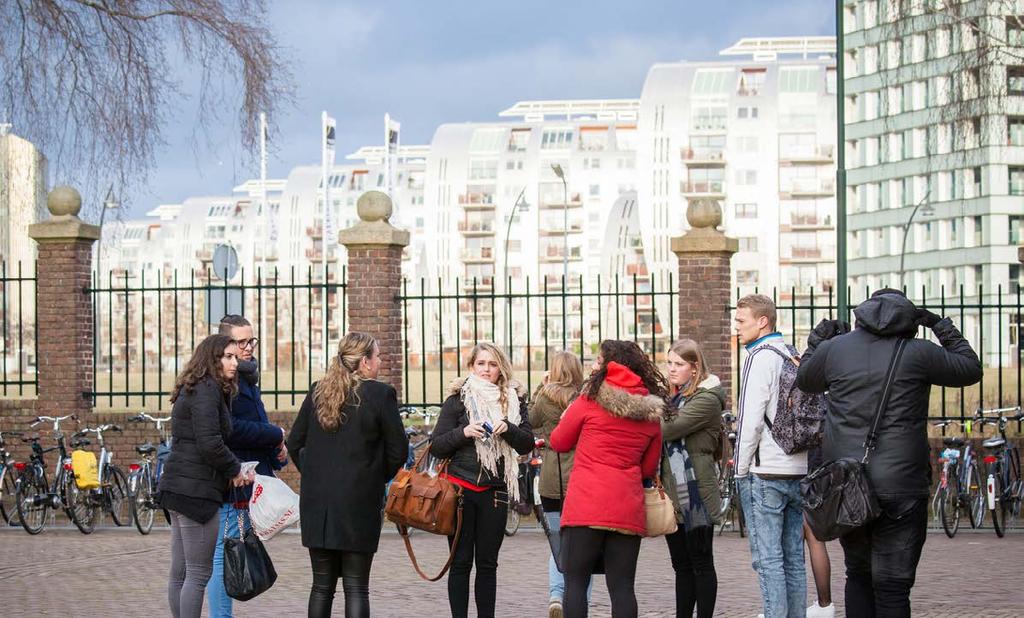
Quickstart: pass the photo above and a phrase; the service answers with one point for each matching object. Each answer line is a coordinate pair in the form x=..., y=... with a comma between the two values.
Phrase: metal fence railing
x=530, y=320
x=991, y=320
x=146, y=326
x=18, y=350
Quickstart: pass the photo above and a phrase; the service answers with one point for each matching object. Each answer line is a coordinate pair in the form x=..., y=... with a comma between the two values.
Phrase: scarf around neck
x=483, y=403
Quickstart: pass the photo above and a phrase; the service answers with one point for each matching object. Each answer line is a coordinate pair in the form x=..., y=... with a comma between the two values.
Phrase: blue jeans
x=556, y=580
x=216, y=596
x=777, y=531
x=743, y=485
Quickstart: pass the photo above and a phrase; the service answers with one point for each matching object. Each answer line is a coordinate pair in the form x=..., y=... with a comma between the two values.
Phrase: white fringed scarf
x=482, y=401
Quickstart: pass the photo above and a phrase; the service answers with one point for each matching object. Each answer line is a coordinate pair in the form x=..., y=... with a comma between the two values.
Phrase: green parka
x=544, y=417
x=698, y=421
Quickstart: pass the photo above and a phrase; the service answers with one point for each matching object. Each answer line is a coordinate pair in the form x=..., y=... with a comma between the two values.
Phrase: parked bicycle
x=8, y=475
x=529, y=490
x=959, y=486
x=112, y=495
x=1004, y=489
x=731, y=513
x=35, y=496
x=144, y=475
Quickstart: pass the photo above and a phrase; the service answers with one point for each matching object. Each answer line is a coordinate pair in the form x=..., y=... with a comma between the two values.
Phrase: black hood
x=887, y=315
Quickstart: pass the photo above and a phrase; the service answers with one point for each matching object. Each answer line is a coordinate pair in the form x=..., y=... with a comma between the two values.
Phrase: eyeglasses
x=247, y=343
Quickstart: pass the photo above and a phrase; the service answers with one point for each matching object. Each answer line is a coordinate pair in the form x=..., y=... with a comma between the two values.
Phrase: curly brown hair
x=628, y=354
x=205, y=362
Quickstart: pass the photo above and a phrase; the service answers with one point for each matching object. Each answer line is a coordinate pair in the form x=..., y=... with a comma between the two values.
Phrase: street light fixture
x=508, y=232
x=109, y=203
x=926, y=211
x=557, y=168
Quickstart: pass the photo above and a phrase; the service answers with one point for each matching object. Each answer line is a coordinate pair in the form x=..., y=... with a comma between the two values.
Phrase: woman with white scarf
x=482, y=429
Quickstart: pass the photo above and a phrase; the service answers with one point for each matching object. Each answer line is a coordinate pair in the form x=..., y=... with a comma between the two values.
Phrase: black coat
x=344, y=472
x=449, y=442
x=200, y=464
x=852, y=368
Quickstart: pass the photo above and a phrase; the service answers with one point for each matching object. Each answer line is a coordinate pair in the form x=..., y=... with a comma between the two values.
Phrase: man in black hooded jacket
x=881, y=558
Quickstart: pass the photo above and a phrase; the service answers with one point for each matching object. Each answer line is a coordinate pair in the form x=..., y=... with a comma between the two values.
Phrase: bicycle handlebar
x=142, y=416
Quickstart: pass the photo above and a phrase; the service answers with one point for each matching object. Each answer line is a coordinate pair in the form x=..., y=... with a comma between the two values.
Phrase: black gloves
x=926, y=318
x=826, y=329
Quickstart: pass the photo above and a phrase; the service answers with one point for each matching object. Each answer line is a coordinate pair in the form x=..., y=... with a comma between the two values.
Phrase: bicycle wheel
x=79, y=505
x=726, y=485
x=1011, y=509
x=8, y=503
x=996, y=506
x=975, y=494
x=32, y=502
x=949, y=509
x=142, y=501
x=117, y=496
x=512, y=520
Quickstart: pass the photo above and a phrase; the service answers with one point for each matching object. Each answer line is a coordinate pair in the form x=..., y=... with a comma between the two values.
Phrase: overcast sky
x=430, y=62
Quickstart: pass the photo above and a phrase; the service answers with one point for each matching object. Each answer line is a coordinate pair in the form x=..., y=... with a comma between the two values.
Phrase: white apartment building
x=757, y=133
x=935, y=152
x=23, y=171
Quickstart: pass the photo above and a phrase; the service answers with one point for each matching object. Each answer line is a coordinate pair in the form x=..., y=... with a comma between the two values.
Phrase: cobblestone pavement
x=117, y=572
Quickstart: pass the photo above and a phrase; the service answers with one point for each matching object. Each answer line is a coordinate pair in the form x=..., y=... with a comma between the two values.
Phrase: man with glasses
x=253, y=438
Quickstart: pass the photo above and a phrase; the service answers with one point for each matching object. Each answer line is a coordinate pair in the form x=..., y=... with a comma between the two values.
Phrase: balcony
x=801, y=255
x=482, y=284
x=476, y=201
x=703, y=188
x=813, y=155
x=809, y=187
x=554, y=282
x=483, y=255
x=710, y=123
x=703, y=156
x=476, y=228
x=555, y=254
x=314, y=253
x=479, y=307
x=549, y=202
x=806, y=223
x=557, y=228
x=316, y=232
x=640, y=270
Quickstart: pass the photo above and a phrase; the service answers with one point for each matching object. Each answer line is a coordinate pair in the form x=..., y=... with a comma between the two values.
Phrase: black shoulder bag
x=838, y=496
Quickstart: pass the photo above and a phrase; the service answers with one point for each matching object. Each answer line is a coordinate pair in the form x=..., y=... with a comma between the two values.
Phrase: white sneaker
x=555, y=608
x=817, y=611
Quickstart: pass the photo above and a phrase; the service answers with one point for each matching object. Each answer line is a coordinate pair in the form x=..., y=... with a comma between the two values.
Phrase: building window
x=954, y=233
x=591, y=163
x=748, y=243
x=1014, y=279
x=556, y=139
x=746, y=277
x=745, y=113
x=1017, y=181
x=751, y=82
x=595, y=190
x=1015, y=31
x=1015, y=135
x=746, y=177
x=518, y=140
x=975, y=179
x=746, y=211
x=1015, y=80
x=830, y=80
x=978, y=236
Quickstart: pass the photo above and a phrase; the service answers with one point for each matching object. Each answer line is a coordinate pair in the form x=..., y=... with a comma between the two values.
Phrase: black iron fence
x=18, y=350
x=147, y=324
x=990, y=319
x=530, y=320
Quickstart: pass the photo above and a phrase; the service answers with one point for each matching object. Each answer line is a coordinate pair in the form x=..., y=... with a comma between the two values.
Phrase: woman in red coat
x=615, y=428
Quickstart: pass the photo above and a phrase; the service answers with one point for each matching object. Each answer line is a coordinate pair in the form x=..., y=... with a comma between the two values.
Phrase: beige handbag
x=661, y=514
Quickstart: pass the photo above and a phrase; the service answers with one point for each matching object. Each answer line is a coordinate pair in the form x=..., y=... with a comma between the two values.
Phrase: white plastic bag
x=272, y=507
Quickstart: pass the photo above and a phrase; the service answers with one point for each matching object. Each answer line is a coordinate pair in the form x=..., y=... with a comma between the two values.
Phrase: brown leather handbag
x=429, y=503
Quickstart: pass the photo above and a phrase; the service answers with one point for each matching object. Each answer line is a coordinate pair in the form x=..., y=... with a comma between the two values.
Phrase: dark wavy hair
x=628, y=354
x=205, y=362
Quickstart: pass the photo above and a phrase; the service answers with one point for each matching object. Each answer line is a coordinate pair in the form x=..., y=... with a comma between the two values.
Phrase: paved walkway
x=117, y=572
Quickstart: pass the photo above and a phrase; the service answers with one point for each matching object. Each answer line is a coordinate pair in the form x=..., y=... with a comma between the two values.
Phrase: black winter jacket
x=200, y=464
x=448, y=441
x=852, y=368
x=344, y=472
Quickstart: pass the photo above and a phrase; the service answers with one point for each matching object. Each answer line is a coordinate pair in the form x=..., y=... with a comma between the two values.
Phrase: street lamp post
x=109, y=203
x=508, y=232
x=557, y=168
x=927, y=211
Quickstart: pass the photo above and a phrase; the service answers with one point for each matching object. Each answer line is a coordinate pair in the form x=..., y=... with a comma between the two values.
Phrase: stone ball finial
x=704, y=213
x=374, y=206
x=64, y=200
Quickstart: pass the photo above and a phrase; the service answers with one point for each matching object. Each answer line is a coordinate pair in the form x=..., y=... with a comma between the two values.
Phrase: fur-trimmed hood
x=622, y=394
x=455, y=387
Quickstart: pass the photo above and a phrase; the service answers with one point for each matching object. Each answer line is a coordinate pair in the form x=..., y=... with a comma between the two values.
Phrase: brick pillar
x=65, y=316
x=375, y=279
x=704, y=286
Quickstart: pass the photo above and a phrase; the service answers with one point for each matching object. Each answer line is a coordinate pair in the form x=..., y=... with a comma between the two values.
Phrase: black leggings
x=483, y=530
x=582, y=548
x=696, y=580
x=354, y=569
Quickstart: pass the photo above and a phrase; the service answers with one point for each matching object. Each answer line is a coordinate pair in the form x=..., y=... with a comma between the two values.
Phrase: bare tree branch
x=93, y=82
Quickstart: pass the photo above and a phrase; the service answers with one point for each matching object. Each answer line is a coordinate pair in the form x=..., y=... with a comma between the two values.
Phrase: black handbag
x=838, y=496
x=248, y=571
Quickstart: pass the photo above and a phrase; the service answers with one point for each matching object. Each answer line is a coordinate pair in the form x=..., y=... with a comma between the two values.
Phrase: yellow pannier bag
x=87, y=472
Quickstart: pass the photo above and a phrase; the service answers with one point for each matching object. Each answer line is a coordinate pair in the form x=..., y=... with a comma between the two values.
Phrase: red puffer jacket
x=617, y=437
